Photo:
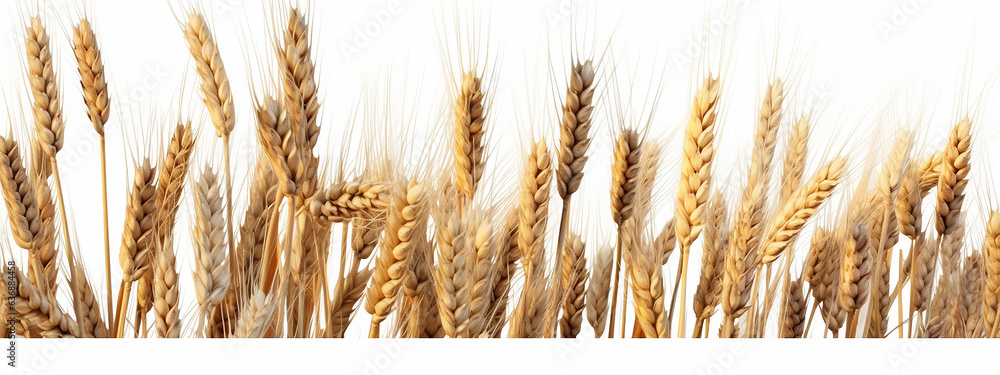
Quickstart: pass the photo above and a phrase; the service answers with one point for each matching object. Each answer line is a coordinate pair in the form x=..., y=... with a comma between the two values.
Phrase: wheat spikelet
x=991, y=281
x=803, y=204
x=598, y=288
x=707, y=294
x=166, y=296
x=696, y=166
x=211, y=276
x=814, y=270
x=402, y=222
x=795, y=159
x=138, y=239
x=91, y=68
x=215, y=89
x=833, y=315
x=575, y=279
x=793, y=321
x=468, y=145
x=950, y=281
x=170, y=184
x=954, y=170
x=574, y=138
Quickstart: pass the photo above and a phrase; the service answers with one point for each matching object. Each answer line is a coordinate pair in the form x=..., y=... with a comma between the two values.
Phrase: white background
x=862, y=68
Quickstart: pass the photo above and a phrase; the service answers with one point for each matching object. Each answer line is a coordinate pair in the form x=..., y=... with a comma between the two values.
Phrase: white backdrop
x=863, y=68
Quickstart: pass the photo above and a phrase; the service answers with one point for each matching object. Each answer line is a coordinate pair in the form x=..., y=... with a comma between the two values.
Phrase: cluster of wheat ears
x=425, y=259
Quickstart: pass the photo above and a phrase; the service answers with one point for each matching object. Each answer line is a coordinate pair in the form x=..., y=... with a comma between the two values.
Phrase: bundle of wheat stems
x=431, y=254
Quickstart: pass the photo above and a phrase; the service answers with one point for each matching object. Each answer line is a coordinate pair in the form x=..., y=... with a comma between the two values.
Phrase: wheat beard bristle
x=574, y=139
x=214, y=82
x=91, y=68
x=468, y=132
x=211, y=276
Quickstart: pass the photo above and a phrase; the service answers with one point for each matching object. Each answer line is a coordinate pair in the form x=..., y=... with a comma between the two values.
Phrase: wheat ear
x=39, y=313
x=795, y=159
x=468, y=145
x=482, y=276
x=797, y=211
x=855, y=271
x=793, y=320
x=211, y=274
x=507, y=255
x=166, y=296
x=954, y=171
x=455, y=241
x=597, y=290
x=972, y=296
x=709, y=289
x=402, y=222
x=696, y=168
x=575, y=278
